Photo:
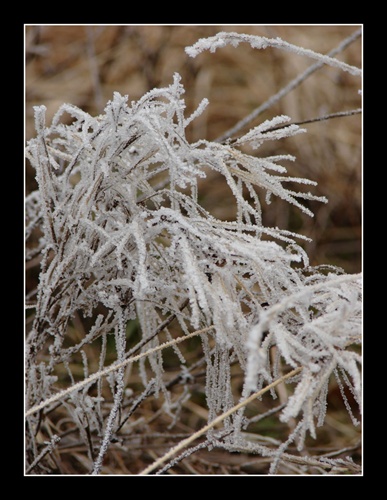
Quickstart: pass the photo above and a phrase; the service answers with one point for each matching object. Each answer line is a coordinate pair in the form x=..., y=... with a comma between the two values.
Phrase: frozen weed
x=124, y=242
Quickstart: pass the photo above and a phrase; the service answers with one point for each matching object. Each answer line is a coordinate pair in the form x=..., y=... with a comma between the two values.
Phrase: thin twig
x=109, y=425
x=216, y=421
x=310, y=461
x=47, y=449
x=339, y=114
x=288, y=88
x=189, y=452
x=146, y=393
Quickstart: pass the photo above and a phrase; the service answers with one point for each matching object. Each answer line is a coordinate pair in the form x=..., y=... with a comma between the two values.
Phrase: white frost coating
x=128, y=252
x=202, y=106
x=264, y=132
x=258, y=42
x=319, y=344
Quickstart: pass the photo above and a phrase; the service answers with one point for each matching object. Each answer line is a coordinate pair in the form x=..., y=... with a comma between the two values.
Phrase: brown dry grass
x=83, y=65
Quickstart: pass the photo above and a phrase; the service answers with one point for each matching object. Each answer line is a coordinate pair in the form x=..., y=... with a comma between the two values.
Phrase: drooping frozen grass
x=260, y=42
x=124, y=241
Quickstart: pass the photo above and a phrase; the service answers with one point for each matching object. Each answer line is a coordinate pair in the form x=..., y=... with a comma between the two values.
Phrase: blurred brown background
x=84, y=65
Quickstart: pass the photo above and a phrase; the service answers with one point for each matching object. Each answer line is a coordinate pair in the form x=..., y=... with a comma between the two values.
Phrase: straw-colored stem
x=216, y=421
x=110, y=369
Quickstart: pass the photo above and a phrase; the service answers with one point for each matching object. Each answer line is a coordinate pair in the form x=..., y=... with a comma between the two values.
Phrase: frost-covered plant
x=125, y=243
